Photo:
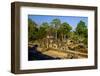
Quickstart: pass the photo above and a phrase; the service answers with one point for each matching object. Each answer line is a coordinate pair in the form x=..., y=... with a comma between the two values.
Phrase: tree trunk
x=62, y=37
x=56, y=36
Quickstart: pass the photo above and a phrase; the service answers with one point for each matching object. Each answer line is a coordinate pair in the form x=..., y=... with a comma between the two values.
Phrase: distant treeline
x=57, y=29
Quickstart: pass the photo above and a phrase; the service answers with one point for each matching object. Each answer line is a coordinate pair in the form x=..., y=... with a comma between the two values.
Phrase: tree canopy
x=58, y=30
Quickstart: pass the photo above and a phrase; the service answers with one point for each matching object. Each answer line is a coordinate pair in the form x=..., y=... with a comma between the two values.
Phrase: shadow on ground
x=34, y=54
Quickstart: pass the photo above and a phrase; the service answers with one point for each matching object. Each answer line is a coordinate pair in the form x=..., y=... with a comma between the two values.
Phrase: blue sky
x=72, y=20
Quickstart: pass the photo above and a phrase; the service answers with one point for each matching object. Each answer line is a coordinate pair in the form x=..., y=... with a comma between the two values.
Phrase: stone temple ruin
x=66, y=49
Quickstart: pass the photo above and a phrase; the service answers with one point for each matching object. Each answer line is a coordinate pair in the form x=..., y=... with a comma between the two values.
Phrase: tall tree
x=82, y=31
x=56, y=24
x=43, y=30
x=81, y=28
x=64, y=30
x=32, y=30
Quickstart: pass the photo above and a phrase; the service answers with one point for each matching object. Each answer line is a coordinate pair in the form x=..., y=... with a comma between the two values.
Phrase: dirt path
x=56, y=54
x=64, y=54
